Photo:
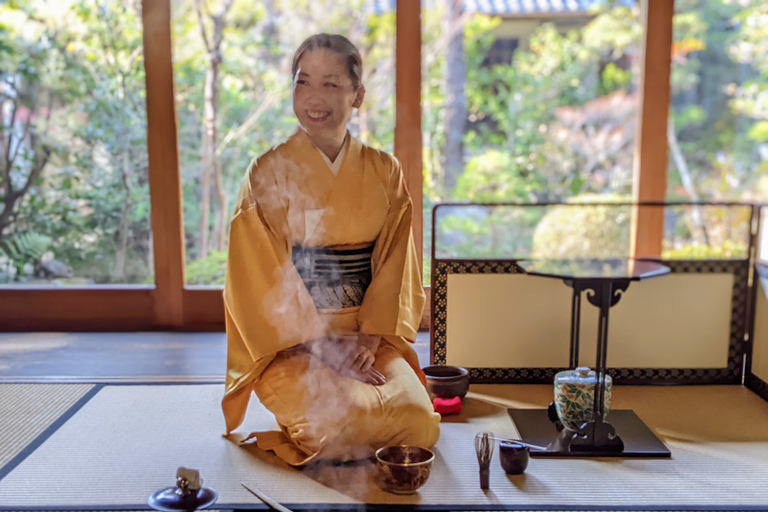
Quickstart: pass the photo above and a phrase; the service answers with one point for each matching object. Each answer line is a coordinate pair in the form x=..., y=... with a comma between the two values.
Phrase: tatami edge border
x=402, y=508
x=48, y=432
x=142, y=380
x=398, y=508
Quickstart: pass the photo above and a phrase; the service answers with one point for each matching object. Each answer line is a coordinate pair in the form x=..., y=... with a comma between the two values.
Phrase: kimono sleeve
x=267, y=306
x=394, y=302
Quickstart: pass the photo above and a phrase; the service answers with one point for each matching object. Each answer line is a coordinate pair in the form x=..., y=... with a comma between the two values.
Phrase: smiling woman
x=323, y=294
x=326, y=71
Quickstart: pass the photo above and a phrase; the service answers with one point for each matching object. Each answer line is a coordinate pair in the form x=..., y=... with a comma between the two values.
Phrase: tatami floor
x=118, y=356
x=59, y=442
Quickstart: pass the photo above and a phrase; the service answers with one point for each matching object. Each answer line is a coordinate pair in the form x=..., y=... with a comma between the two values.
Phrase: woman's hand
x=352, y=356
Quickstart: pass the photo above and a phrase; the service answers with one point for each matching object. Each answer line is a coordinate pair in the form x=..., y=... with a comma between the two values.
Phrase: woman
x=323, y=293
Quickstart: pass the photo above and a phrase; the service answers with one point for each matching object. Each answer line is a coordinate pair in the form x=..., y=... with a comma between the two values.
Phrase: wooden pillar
x=408, y=108
x=650, y=172
x=164, y=179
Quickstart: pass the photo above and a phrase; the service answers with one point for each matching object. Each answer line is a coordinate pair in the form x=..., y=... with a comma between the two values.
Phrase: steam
x=326, y=401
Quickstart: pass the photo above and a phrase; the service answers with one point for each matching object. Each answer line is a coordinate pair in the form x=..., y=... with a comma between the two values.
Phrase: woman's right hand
x=347, y=356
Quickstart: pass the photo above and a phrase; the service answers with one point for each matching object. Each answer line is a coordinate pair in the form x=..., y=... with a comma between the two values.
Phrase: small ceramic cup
x=513, y=457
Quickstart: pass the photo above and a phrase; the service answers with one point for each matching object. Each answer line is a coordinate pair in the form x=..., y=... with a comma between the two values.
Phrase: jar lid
x=581, y=375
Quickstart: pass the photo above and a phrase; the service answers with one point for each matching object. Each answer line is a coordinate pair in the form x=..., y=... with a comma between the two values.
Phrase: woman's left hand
x=354, y=356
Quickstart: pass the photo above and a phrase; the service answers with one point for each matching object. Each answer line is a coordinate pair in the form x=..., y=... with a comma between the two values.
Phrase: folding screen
x=689, y=326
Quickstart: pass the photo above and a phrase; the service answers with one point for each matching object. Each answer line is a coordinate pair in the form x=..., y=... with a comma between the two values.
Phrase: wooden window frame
x=170, y=305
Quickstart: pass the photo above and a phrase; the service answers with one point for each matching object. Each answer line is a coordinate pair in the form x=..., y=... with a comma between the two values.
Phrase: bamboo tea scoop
x=266, y=499
x=529, y=445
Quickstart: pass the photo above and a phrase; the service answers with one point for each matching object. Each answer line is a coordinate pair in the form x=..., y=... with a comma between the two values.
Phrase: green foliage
x=728, y=250
x=24, y=247
x=489, y=231
x=494, y=177
x=543, y=110
x=81, y=62
x=689, y=116
x=614, y=79
x=759, y=132
x=92, y=199
x=210, y=270
x=600, y=231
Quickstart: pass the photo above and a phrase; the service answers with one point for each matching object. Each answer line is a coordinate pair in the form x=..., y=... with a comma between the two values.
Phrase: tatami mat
x=28, y=410
x=127, y=442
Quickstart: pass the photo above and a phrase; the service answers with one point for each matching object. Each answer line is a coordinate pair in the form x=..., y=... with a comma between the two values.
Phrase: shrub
x=208, y=270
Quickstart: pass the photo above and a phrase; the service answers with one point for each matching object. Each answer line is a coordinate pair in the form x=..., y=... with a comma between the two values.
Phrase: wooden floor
x=110, y=357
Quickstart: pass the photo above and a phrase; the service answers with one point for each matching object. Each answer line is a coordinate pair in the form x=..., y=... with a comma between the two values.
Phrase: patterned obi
x=335, y=278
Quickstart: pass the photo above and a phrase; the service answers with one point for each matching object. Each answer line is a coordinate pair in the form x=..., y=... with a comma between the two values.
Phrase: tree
x=455, y=98
x=210, y=165
x=563, y=110
x=77, y=68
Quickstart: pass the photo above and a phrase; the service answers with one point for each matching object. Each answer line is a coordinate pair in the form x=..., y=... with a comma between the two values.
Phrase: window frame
x=171, y=305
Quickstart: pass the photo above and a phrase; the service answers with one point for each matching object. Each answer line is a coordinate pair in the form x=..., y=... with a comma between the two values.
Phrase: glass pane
x=251, y=110
x=586, y=230
x=718, y=128
x=74, y=192
x=533, y=231
x=706, y=232
x=762, y=242
x=529, y=101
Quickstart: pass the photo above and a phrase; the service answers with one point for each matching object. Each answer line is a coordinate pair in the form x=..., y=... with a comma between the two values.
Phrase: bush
x=729, y=250
x=208, y=270
x=600, y=231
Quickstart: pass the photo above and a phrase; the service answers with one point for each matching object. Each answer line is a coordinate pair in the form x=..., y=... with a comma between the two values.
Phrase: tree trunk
x=151, y=257
x=27, y=140
x=207, y=160
x=118, y=274
x=698, y=229
x=221, y=225
x=210, y=116
x=455, y=101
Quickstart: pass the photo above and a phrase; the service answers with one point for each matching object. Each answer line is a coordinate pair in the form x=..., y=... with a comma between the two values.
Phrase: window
x=74, y=190
x=551, y=116
x=524, y=106
x=718, y=125
x=233, y=94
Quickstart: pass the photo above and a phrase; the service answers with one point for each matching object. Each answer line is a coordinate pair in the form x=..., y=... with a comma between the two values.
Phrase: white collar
x=336, y=164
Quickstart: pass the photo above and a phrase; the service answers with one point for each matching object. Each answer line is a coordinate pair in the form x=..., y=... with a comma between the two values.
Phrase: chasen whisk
x=484, y=444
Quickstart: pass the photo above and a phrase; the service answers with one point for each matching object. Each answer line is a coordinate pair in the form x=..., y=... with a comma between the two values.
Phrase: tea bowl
x=446, y=381
x=514, y=457
x=402, y=469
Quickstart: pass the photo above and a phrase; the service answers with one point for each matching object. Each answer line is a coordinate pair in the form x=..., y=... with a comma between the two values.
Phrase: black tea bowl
x=514, y=457
x=447, y=381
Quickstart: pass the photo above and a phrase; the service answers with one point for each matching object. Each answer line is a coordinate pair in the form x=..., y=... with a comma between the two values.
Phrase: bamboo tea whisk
x=484, y=444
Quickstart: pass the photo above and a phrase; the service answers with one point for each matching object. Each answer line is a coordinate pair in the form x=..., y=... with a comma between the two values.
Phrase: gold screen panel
x=507, y=321
x=519, y=321
x=672, y=321
x=760, y=346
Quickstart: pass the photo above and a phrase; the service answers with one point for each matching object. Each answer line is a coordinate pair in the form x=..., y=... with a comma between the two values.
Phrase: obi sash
x=335, y=278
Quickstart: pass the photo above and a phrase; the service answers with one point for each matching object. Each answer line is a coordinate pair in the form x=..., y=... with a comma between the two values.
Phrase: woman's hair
x=338, y=44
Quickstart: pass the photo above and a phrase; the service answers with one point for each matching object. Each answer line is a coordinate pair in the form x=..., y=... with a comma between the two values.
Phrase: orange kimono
x=292, y=201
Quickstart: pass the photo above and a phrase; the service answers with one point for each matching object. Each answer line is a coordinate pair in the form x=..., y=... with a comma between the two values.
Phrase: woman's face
x=323, y=94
